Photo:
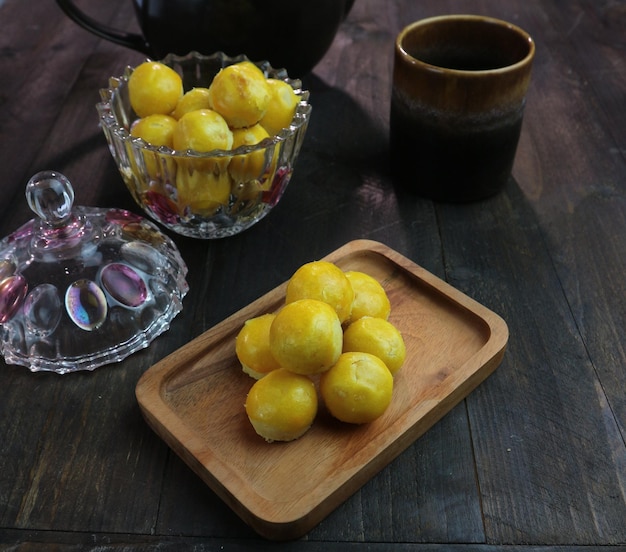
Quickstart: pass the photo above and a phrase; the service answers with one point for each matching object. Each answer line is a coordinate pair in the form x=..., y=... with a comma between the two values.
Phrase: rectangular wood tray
x=193, y=399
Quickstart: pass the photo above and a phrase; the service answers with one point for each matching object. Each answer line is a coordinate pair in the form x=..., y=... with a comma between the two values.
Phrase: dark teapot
x=287, y=33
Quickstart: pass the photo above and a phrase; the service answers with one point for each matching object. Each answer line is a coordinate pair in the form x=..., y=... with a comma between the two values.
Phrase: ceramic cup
x=458, y=97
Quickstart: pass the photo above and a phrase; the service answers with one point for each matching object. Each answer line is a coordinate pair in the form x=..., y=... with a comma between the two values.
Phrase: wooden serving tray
x=194, y=399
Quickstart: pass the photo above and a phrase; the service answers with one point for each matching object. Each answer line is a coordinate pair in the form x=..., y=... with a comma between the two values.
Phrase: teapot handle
x=130, y=40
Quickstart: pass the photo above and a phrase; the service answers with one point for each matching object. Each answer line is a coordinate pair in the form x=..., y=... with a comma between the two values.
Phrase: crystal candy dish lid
x=82, y=287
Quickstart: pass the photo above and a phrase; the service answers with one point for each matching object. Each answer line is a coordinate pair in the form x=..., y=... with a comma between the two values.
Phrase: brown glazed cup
x=458, y=97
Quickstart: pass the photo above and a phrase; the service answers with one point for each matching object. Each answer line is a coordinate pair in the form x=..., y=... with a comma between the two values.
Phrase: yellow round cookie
x=370, y=298
x=202, y=130
x=192, y=100
x=325, y=282
x=358, y=388
x=378, y=337
x=202, y=191
x=282, y=405
x=240, y=94
x=306, y=336
x=252, y=346
x=281, y=108
x=157, y=130
x=154, y=88
x=249, y=166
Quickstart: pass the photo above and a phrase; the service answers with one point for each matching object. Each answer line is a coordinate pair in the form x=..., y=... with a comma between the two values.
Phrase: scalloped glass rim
x=301, y=116
x=67, y=364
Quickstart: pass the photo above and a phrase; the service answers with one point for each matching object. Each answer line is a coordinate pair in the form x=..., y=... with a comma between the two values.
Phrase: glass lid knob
x=50, y=195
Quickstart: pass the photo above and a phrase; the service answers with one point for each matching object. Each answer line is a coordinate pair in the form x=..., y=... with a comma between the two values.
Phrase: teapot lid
x=82, y=287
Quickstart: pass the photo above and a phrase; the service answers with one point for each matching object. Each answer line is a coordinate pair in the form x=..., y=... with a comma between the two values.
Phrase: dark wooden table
x=534, y=458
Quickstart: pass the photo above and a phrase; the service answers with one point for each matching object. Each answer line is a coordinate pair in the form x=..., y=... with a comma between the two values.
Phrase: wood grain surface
x=533, y=459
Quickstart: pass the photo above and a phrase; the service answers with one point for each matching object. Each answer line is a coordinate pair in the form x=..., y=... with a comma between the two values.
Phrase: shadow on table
x=342, y=132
